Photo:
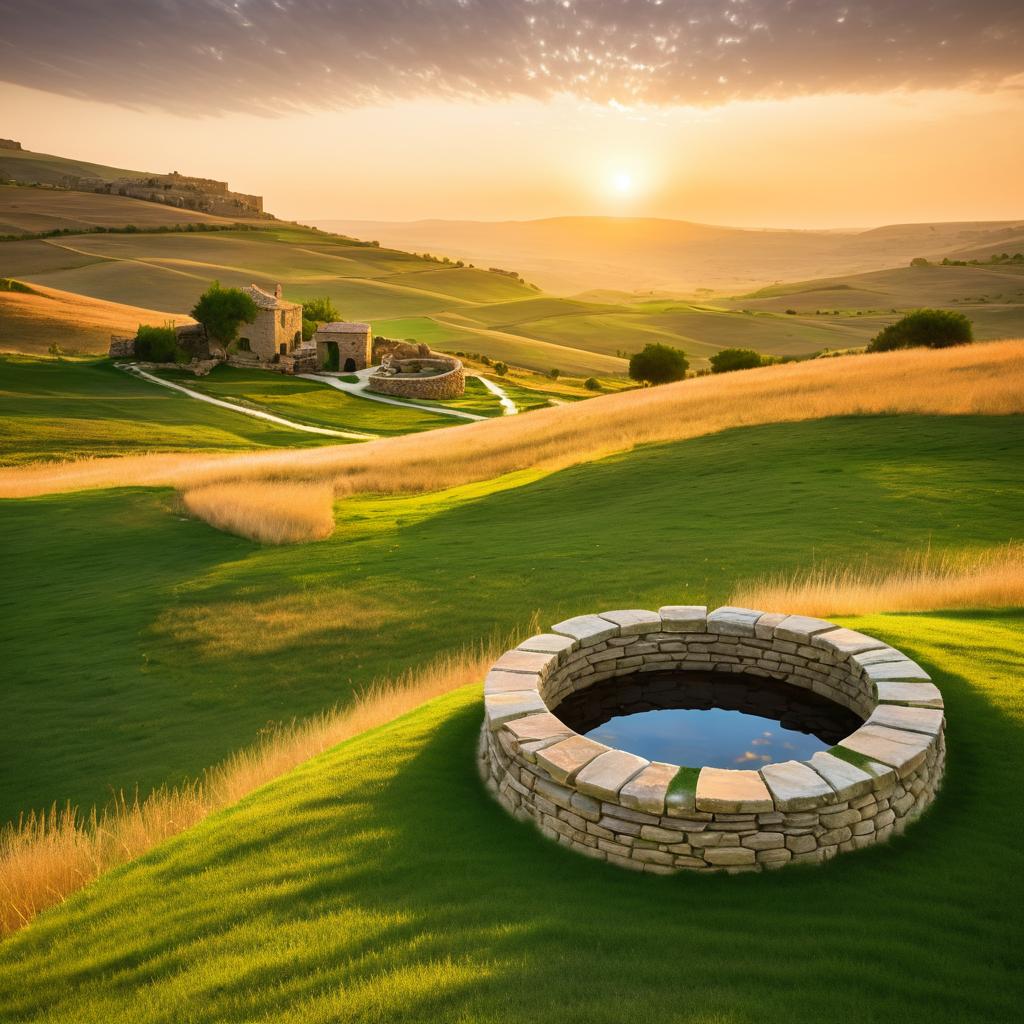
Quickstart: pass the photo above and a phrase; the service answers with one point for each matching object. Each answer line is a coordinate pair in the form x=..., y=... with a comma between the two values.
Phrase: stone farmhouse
x=343, y=346
x=273, y=341
x=276, y=331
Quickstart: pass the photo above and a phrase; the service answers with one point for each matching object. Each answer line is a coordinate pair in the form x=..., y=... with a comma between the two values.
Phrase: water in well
x=720, y=720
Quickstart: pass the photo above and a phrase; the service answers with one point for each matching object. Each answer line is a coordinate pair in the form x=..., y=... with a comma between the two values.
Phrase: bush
x=924, y=328
x=790, y=312
x=500, y=368
x=158, y=345
x=308, y=329
x=554, y=374
x=321, y=310
x=658, y=364
x=592, y=384
x=730, y=359
x=222, y=311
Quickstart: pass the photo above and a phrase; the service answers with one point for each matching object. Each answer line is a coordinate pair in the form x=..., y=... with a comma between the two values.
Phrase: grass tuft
x=992, y=578
x=45, y=857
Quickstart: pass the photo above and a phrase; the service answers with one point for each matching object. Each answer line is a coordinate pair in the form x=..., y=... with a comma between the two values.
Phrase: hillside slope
x=566, y=255
x=30, y=210
x=380, y=882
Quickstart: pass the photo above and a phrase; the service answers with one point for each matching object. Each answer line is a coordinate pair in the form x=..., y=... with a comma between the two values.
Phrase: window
x=282, y=318
x=243, y=345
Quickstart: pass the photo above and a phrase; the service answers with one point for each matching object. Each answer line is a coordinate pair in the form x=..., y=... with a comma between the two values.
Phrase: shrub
x=919, y=261
x=158, y=345
x=924, y=328
x=658, y=364
x=730, y=359
x=308, y=329
x=592, y=384
x=322, y=310
x=500, y=368
x=554, y=373
x=222, y=311
x=791, y=312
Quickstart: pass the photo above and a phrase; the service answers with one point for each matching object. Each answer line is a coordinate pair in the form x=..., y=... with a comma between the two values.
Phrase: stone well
x=662, y=818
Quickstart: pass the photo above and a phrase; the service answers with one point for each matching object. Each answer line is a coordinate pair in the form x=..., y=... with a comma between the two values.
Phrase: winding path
x=360, y=390
x=255, y=413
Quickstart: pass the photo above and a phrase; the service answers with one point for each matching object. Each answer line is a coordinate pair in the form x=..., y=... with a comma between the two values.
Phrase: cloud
x=272, y=56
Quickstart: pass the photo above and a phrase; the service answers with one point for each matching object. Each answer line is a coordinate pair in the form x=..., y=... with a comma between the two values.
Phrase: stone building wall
x=443, y=385
x=615, y=806
x=271, y=329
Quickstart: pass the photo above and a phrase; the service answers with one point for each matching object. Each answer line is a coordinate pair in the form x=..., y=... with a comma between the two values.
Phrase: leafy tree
x=592, y=384
x=658, y=364
x=554, y=373
x=919, y=261
x=308, y=329
x=924, y=328
x=158, y=345
x=730, y=359
x=322, y=310
x=500, y=368
x=222, y=311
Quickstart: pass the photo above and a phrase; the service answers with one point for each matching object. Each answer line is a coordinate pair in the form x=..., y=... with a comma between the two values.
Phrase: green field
x=320, y=405
x=379, y=882
x=173, y=644
x=76, y=408
x=470, y=310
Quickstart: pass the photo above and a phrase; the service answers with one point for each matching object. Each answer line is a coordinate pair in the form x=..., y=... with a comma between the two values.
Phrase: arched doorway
x=350, y=365
x=331, y=362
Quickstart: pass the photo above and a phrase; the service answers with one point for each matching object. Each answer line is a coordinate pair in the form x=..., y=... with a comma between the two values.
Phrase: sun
x=622, y=183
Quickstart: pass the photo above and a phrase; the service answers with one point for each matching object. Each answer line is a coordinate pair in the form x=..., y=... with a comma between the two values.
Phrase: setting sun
x=622, y=183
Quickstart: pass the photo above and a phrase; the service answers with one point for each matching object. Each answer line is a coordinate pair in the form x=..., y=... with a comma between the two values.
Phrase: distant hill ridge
x=568, y=255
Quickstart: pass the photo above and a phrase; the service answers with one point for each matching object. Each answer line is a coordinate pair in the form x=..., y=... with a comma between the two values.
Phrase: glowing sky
x=758, y=112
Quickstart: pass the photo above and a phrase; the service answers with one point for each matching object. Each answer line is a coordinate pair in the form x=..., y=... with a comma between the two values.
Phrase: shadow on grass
x=381, y=882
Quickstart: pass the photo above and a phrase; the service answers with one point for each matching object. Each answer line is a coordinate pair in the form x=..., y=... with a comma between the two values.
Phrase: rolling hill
x=567, y=255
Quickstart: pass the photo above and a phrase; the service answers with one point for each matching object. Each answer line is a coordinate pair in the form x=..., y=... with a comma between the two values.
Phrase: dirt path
x=255, y=413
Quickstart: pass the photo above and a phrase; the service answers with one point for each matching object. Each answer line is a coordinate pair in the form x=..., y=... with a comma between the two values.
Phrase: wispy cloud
x=271, y=56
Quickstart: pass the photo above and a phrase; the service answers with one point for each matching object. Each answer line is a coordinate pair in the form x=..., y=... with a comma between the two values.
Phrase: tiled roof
x=267, y=301
x=344, y=327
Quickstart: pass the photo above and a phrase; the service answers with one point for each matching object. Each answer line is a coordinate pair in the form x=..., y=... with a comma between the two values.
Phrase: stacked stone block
x=662, y=818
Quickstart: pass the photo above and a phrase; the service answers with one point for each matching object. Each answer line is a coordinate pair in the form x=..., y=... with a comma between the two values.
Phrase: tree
x=500, y=368
x=322, y=310
x=554, y=373
x=222, y=311
x=658, y=364
x=730, y=359
x=592, y=384
x=919, y=261
x=924, y=328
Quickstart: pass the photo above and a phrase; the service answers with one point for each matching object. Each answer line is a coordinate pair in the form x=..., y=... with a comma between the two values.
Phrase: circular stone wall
x=449, y=382
x=662, y=818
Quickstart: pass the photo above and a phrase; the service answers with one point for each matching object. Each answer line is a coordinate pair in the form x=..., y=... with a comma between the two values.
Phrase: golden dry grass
x=31, y=323
x=924, y=583
x=44, y=858
x=271, y=512
x=976, y=379
x=985, y=379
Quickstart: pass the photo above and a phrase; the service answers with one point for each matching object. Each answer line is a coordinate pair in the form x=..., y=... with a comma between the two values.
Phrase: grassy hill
x=379, y=882
x=205, y=637
x=566, y=255
x=858, y=305
x=31, y=210
x=459, y=309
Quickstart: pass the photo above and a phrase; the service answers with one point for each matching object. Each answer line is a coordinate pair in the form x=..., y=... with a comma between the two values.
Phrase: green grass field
x=379, y=882
x=320, y=405
x=76, y=408
x=463, y=309
x=172, y=644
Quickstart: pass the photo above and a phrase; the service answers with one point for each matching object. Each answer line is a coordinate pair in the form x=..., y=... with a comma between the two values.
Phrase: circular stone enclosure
x=662, y=818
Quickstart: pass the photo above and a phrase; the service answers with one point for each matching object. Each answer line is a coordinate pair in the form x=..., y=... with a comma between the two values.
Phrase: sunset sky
x=803, y=113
